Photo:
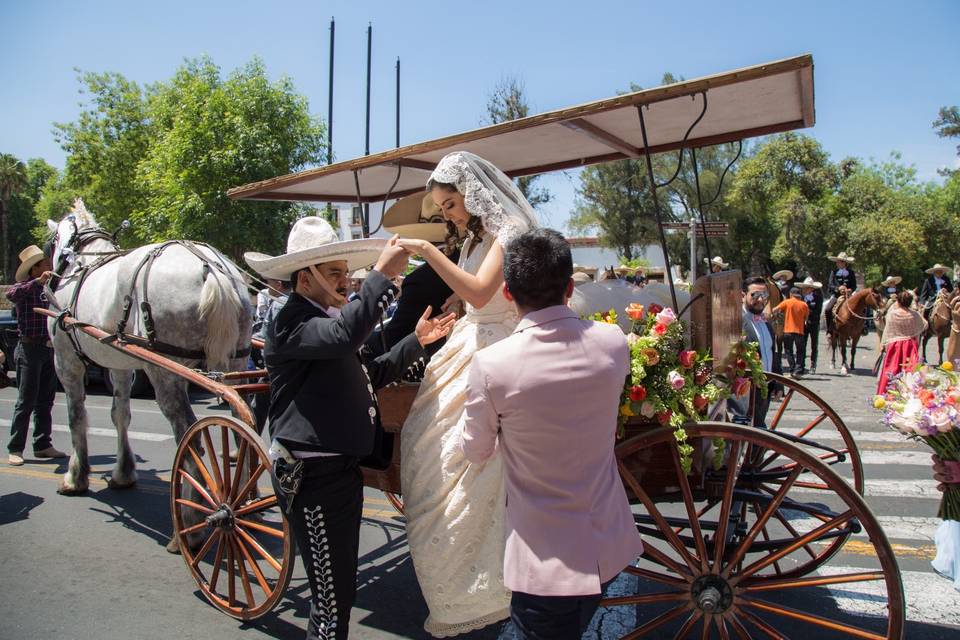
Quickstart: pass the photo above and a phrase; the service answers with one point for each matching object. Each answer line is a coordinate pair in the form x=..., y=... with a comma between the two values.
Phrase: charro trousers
x=37, y=387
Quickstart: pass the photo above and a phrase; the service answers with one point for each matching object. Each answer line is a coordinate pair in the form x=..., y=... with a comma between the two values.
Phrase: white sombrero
x=718, y=261
x=416, y=216
x=579, y=268
x=581, y=277
x=624, y=269
x=28, y=258
x=783, y=274
x=809, y=282
x=891, y=281
x=842, y=256
x=938, y=267
x=312, y=241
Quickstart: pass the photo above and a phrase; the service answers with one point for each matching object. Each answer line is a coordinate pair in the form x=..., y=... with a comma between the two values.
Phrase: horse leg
x=940, y=347
x=174, y=402
x=124, y=474
x=843, y=357
x=71, y=370
x=832, y=340
x=853, y=351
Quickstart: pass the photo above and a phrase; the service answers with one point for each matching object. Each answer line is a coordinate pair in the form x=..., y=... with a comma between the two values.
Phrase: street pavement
x=95, y=566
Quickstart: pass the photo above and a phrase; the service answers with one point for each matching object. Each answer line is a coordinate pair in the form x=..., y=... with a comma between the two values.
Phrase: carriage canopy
x=753, y=101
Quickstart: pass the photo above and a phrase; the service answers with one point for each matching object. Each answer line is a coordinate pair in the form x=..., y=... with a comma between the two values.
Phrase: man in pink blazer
x=547, y=398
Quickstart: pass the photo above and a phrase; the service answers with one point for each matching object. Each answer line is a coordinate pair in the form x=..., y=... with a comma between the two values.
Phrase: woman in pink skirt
x=902, y=329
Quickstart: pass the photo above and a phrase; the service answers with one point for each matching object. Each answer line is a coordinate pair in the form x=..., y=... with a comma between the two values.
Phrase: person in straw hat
x=813, y=297
x=842, y=282
x=324, y=416
x=784, y=281
x=417, y=216
x=36, y=377
x=935, y=281
x=890, y=284
x=716, y=264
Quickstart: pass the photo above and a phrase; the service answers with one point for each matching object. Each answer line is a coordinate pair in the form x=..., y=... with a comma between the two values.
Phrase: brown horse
x=848, y=322
x=953, y=342
x=938, y=322
x=775, y=320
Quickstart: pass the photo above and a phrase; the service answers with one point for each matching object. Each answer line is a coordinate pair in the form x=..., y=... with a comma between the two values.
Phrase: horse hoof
x=77, y=490
x=173, y=546
x=120, y=486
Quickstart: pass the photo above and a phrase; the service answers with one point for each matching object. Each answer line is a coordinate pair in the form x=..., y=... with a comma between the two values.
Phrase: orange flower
x=650, y=356
x=635, y=311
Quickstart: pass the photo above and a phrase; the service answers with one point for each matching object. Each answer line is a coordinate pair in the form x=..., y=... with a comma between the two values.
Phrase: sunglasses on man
x=759, y=295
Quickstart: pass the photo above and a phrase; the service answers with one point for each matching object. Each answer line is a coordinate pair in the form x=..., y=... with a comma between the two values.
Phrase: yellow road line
x=859, y=547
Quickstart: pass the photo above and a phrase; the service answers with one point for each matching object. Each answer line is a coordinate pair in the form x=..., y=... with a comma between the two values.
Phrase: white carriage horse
x=184, y=300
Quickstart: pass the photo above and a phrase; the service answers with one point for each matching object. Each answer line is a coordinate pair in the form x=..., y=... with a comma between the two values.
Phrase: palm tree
x=13, y=179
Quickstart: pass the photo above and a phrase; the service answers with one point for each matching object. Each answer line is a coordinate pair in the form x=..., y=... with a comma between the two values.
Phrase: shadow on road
x=17, y=506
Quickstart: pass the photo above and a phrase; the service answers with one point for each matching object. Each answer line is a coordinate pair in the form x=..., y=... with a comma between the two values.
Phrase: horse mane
x=83, y=217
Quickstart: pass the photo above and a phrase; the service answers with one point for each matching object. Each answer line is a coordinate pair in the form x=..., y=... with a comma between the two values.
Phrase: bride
x=454, y=509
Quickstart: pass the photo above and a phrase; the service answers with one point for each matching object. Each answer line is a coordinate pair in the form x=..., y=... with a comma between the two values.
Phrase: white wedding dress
x=455, y=509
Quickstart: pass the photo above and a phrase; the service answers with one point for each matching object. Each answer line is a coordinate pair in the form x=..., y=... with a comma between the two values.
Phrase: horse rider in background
x=935, y=281
x=842, y=282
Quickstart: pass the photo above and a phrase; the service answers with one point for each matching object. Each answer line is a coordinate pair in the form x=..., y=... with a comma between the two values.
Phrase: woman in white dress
x=454, y=509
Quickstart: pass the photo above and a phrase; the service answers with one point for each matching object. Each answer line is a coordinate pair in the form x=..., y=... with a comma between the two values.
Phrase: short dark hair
x=795, y=291
x=905, y=299
x=752, y=280
x=537, y=266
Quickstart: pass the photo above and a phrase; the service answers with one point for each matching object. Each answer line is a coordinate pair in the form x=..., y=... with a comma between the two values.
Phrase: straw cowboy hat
x=891, y=281
x=579, y=268
x=416, y=216
x=581, y=277
x=28, y=258
x=936, y=267
x=810, y=283
x=359, y=274
x=842, y=256
x=718, y=261
x=624, y=269
x=783, y=274
x=312, y=241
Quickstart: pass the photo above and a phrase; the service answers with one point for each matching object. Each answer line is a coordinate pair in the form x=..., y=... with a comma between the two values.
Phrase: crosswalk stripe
x=111, y=433
x=826, y=433
x=896, y=527
x=929, y=598
x=905, y=488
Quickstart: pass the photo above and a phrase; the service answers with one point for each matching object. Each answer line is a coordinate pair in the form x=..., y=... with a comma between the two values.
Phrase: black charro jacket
x=929, y=291
x=322, y=391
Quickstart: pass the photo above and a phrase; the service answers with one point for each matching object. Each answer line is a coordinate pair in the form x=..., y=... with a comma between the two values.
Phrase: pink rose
x=666, y=317
x=688, y=359
x=676, y=380
x=647, y=409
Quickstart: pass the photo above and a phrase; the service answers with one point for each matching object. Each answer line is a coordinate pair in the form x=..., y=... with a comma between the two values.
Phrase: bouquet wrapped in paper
x=924, y=404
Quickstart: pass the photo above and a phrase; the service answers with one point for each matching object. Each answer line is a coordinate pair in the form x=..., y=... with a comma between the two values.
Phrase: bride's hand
x=429, y=330
x=413, y=246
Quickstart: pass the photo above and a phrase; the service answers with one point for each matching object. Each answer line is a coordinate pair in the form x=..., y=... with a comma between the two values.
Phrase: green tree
x=614, y=201
x=778, y=192
x=947, y=123
x=164, y=156
x=13, y=180
x=23, y=225
x=507, y=102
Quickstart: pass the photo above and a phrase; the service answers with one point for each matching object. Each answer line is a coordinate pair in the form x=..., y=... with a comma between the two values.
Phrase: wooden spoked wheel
x=721, y=561
x=396, y=501
x=232, y=534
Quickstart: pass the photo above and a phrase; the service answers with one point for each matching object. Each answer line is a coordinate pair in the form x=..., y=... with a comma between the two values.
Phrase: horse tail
x=221, y=310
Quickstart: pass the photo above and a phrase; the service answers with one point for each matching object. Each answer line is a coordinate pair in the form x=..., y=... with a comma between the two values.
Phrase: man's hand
x=45, y=277
x=393, y=259
x=451, y=304
x=429, y=330
x=945, y=472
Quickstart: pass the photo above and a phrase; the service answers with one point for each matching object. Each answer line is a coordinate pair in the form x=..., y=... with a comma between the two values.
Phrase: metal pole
x=692, y=276
x=398, y=102
x=333, y=25
x=366, y=148
x=656, y=209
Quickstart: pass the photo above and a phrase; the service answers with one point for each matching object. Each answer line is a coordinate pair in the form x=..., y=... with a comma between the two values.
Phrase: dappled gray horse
x=197, y=310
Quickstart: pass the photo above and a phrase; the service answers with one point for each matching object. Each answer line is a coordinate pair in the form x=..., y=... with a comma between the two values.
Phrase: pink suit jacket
x=550, y=393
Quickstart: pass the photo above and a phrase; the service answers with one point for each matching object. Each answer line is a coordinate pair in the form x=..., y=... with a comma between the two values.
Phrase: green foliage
x=947, y=123
x=165, y=156
x=508, y=102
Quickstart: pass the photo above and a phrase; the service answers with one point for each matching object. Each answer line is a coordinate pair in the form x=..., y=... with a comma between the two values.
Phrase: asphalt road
x=95, y=566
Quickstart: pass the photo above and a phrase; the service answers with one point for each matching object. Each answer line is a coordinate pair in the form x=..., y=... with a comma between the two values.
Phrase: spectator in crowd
x=755, y=329
x=36, y=377
x=813, y=298
x=795, y=313
x=717, y=264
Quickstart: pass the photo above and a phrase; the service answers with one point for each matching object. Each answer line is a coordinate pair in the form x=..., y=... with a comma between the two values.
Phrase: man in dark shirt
x=36, y=377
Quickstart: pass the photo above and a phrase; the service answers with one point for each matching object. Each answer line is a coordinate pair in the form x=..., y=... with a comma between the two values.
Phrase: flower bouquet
x=668, y=383
x=924, y=404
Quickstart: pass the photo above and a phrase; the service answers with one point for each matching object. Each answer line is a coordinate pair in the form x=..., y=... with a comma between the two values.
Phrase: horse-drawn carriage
x=742, y=545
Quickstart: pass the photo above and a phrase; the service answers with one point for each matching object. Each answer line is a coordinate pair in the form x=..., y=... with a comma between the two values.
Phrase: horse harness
x=120, y=335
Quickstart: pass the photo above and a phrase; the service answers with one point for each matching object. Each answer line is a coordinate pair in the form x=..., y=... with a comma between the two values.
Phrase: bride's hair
x=474, y=224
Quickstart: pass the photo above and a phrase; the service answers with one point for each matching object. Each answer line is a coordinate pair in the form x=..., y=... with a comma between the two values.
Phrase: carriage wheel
x=726, y=569
x=232, y=536
x=396, y=501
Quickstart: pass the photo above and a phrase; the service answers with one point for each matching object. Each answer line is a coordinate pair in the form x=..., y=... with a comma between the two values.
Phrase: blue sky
x=883, y=69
